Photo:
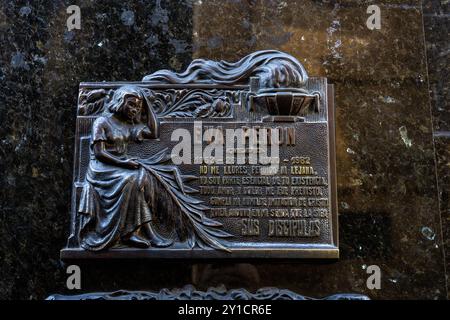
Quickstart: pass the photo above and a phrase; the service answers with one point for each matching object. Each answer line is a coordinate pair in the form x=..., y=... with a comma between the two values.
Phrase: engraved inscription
x=292, y=202
x=223, y=160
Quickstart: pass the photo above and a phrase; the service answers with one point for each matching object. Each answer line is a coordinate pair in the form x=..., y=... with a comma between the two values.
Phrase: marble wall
x=392, y=116
x=436, y=16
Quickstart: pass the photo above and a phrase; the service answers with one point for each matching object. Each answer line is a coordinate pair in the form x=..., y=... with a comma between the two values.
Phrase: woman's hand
x=131, y=163
x=104, y=156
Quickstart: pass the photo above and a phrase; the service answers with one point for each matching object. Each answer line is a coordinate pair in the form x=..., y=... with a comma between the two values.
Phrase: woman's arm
x=104, y=156
x=152, y=122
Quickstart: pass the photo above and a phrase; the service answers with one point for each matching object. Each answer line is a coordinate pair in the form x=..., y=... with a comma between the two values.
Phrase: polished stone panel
x=437, y=29
x=41, y=66
x=435, y=7
x=387, y=190
x=437, y=24
x=442, y=144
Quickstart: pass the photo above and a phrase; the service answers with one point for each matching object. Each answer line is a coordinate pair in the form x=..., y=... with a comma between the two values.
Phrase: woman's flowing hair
x=275, y=69
x=118, y=100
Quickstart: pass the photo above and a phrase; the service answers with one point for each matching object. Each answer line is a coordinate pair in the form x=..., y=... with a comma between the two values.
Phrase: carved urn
x=286, y=101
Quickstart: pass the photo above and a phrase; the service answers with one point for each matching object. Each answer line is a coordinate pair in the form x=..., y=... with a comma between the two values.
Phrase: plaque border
x=327, y=252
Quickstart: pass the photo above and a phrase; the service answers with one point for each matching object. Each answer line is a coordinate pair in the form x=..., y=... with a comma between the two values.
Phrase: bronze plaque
x=224, y=160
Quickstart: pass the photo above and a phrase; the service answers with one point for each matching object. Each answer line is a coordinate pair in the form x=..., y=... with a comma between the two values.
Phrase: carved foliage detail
x=172, y=197
x=171, y=103
x=194, y=103
x=93, y=102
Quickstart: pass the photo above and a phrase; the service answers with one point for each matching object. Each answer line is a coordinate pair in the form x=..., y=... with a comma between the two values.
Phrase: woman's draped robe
x=114, y=200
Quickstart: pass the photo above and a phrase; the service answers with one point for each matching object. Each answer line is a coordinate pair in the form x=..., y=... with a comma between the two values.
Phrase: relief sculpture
x=121, y=195
x=131, y=199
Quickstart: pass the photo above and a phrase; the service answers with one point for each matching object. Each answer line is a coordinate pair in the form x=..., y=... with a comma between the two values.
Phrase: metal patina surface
x=190, y=293
x=132, y=199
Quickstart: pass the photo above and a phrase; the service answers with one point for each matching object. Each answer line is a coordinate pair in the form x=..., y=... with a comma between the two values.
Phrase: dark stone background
x=437, y=28
x=392, y=133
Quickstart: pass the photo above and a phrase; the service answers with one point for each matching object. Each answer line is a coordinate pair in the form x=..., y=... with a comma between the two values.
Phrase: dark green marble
x=41, y=66
x=437, y=27
x=387, y=188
